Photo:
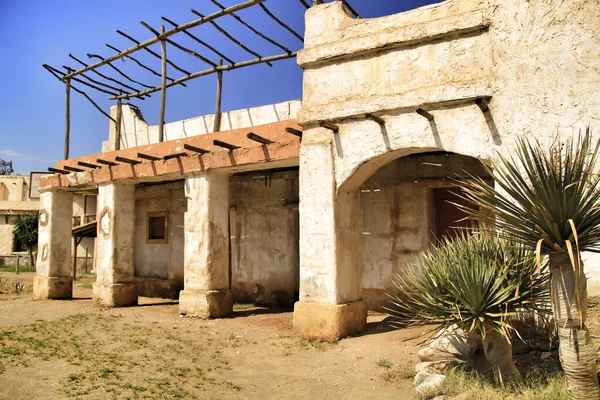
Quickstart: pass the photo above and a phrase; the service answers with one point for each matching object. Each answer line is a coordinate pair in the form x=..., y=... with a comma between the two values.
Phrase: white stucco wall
x=537, y=62
x=136, y=132
x=264, y=237
x=163, y=261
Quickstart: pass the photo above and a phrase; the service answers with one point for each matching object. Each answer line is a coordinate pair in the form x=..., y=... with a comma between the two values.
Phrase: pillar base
x=115, y=294
x=330, y=321
x=51, y=287
x=205, y=303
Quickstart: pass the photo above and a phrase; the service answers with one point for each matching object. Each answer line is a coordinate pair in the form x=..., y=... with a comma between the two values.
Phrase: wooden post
x=87, y=254
x=75, y=258
x=217, y=124
x=118, y=123
x=67, y=117
x=163, y=87
x=17, y=264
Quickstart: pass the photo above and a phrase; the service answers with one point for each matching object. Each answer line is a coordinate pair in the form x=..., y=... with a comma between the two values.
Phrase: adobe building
x=336, y=193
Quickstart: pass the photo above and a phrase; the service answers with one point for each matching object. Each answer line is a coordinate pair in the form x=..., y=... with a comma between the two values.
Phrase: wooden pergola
x=122, y=86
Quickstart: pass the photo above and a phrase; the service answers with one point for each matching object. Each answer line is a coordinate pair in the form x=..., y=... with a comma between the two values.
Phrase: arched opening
x=407, y=205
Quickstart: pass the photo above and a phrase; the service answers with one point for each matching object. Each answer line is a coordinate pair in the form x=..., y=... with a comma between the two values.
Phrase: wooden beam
x=72, y=169
x=88, y=165
x=57, y=171
x=425, y=114
x=135, y=60
x=234, y=40
x=293, y=131
x=171, y=32
x=152, y=52
x=106, y=162
x=330, y=126
x=217, y=122
x=375, y=118
x=258, y=33
x=202, y=42
x=195, y=149
x=257, y=138
x=175, y=155
x=148, y=157
x=163, y=88
x=226, y=145
x=118, y=70
x=67, y=118
x=178, y=46
x=127, y=160
x=482, y=103
x=211, y=71
x=270, y=14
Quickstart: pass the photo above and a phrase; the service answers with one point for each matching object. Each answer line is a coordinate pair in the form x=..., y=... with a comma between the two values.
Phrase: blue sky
x=43, y=31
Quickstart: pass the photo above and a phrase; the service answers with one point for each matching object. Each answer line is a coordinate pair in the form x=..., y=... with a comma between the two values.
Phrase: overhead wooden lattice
x=121, y=86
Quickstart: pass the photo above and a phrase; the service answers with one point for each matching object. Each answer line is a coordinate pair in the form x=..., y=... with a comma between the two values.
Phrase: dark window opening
x=157, y=228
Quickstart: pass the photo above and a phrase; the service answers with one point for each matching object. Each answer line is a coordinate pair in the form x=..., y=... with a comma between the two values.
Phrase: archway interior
x=407, y=207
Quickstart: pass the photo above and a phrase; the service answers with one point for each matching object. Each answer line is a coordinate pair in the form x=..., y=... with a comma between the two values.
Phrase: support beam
x=425, y=114
x=67, y=118
x=148, y=157
x=73, y=169
x=328, y=125
x=163, y=88
x=118, y=123
x=217, y=124
x=127, y=160
x=257, y=138
x=375, y=118
x=225, y=145
x=167, y=34
x=293, y=131
x=88, y=165
x=482, y=103
x=195, y=149
x=58, y=171
x=53, y=267
x=175, y=155
x=211, y=71
x=106, y=162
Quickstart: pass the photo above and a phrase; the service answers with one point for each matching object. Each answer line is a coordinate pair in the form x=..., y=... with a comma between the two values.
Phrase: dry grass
x=126, y=361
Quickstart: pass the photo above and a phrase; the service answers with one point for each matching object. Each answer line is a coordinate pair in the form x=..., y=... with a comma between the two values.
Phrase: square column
x=53, y=267
x=115, y=283
x=206, y=291
x=331, y=267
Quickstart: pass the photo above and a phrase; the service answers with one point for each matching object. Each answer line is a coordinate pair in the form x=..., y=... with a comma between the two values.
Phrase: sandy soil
x=75, y=349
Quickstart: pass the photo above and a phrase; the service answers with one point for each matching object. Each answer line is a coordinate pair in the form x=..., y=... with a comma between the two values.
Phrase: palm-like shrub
x=549, y=200
x=478, y=283
x=25, y=229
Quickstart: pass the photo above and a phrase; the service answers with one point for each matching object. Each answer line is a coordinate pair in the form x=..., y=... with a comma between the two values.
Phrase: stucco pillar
x=115, y=284
x=206, y=261
x=331, y=269
x=53, y=280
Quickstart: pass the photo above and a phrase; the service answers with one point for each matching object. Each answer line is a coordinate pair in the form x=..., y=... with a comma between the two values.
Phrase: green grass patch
x=22, y=268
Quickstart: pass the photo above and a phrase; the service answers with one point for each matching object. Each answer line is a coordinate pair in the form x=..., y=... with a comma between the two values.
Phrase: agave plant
x=477, y=283
x=549, y=200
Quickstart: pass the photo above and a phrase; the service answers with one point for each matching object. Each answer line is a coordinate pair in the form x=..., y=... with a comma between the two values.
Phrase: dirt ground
x=76, y=349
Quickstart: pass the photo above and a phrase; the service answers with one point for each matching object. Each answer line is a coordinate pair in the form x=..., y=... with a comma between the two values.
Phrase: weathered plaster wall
x=399, y=215
x=136, y=132
x=160, y=261
x=537, y=62
x=6, y=235
x=264, y=237
x=14, y=188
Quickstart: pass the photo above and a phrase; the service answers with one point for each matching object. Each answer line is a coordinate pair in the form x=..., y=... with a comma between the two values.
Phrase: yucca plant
x=549, y=200
x=478, y=283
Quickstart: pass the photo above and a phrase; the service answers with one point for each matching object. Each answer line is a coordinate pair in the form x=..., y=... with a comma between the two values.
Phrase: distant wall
x=160, y=261
x=136, y=132
x=264, y=237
